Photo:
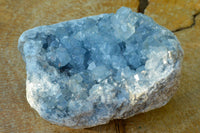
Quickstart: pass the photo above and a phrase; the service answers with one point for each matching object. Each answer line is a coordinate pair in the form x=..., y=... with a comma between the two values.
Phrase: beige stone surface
x=181, y=114
x=173, y=14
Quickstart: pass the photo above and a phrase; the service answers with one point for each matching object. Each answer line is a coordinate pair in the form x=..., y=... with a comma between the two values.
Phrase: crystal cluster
x=86, y=72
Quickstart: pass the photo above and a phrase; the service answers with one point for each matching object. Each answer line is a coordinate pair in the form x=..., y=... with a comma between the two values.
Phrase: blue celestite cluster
x=86, y=72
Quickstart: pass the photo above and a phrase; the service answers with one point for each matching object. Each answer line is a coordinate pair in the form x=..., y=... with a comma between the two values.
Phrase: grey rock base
x=86, y=72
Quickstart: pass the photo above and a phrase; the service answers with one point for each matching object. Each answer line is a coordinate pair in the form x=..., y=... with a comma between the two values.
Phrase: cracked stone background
x=181, y=114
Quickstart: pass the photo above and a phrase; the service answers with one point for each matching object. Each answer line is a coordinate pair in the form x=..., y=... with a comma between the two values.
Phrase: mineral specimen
x=86, y=72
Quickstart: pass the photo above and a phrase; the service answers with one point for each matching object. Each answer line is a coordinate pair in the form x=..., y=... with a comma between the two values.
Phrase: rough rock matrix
x=86, y=72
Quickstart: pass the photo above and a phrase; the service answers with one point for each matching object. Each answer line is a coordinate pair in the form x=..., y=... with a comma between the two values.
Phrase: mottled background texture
x=181, y=114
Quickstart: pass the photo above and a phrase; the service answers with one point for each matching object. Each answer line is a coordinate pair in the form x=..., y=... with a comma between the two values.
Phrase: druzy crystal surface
x=86, y=72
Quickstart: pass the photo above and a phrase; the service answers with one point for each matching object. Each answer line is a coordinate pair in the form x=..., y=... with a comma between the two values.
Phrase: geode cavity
x=86, y=72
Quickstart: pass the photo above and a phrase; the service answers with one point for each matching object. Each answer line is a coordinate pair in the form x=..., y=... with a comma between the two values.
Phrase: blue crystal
x=85, y=72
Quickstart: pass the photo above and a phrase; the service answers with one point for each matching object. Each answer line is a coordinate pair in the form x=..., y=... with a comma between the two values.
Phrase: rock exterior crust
x=86, y=72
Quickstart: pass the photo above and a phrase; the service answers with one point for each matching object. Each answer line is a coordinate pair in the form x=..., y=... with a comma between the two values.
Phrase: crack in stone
x=187, y=27
x=117, y=126
x=142, y=5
